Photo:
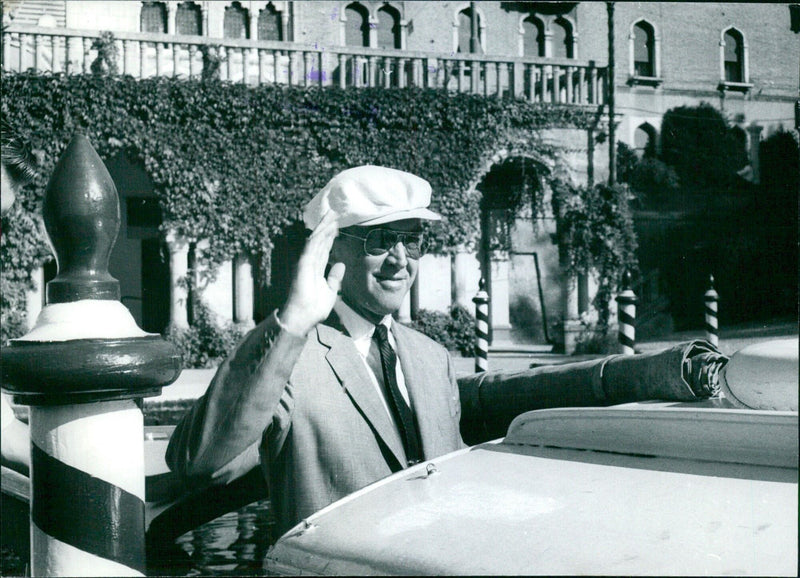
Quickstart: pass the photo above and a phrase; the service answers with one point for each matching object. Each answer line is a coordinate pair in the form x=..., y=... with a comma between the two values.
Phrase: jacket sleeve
x=217, y=440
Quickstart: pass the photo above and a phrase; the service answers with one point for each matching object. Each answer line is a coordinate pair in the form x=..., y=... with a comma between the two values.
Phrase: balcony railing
x=561, y=81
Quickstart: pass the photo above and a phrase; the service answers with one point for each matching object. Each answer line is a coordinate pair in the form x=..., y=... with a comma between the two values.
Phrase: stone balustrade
x=143, y=55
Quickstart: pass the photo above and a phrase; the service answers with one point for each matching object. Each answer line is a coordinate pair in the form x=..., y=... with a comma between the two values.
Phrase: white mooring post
x=711, y=299
x=481, y=301
x=81, y=370
x=626, y=313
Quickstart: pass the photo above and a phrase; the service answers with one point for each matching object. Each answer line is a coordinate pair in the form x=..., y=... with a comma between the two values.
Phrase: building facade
x=741, y=57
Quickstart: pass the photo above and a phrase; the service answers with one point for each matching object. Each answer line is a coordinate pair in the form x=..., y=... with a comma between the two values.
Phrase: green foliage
x=626, y=161
x=236, y=163
x=595, y=340
x=22, y=250
x=454, y=331
x=204, y=344
x=703, y=149
x=780, y=175
x=655, y=183
x=595, y=233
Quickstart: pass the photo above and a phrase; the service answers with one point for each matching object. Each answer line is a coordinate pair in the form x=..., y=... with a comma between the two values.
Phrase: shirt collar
x=357, y=326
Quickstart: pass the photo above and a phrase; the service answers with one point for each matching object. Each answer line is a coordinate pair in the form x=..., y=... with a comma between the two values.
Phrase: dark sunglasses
x=380, y=241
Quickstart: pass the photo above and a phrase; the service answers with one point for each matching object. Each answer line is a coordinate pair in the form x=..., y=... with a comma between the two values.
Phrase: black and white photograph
x=317, y=287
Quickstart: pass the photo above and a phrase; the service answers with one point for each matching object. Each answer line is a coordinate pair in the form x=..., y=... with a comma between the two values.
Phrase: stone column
x=204, y=11
x=373, y=32
x=572, y=324
x=755, y=150
x=466, y=278
x=243, y=290
x=433, y=278
x=178, y=269
x=285, y=26
x=499, y=297
x=172, y=13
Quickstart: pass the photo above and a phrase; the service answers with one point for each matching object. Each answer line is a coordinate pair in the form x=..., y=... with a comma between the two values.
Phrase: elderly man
x=330, y=390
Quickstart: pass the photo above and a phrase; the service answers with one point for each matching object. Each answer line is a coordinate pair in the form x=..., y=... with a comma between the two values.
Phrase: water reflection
x=232, y=545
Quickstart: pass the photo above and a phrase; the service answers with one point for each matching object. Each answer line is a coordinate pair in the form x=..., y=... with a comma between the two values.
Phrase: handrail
x=164, y=38
x=141, y=55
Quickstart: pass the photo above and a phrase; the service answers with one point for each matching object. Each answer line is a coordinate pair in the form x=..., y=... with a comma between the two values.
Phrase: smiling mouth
x=392, y=280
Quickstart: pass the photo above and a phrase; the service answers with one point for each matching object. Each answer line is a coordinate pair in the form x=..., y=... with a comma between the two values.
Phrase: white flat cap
x=371, y=195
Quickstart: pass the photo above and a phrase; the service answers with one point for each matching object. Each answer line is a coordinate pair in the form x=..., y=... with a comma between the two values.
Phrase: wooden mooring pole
x=481, y=301
x=81, y=369
x=627, y=316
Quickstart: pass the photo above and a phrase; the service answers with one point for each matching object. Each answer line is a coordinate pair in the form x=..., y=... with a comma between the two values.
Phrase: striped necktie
x=400, y=409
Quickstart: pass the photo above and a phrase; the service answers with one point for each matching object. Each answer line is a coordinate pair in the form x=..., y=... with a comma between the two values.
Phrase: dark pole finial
x=81, y=215
x=626, y=280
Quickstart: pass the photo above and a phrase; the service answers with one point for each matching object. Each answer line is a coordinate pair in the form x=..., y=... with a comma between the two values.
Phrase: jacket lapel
x=346, y=363
x=419, y=371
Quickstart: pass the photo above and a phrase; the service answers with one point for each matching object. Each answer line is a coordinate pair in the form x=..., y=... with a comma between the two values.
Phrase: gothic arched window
x=153, y=17
x=235, y=22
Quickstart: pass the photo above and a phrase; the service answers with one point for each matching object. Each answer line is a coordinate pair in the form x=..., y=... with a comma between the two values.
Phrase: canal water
x=232, y=545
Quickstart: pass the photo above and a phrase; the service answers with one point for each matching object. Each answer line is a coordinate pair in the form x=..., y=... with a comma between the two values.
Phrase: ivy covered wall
x=235, y=163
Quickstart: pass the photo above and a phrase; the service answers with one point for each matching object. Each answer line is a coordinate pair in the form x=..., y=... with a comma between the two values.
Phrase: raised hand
x=312, y=295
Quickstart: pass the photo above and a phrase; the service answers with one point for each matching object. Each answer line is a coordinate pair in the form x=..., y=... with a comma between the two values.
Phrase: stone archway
x=517, y=255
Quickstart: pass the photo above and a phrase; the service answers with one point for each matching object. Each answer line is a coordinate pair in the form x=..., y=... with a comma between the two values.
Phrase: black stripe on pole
x=625, y=318
x=626, y=341
x=86, y=512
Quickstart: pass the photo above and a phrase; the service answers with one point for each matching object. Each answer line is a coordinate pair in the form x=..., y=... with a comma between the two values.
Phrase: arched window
x=734, y=56
x=644, y=62
x=356, y=32
x=153, y=17
x=532, y=37
x=562, y=39
x=235, y=22
x=269, y=24
x=188, y=19
x=465, y=31
x=388, y=28
x=644, y=140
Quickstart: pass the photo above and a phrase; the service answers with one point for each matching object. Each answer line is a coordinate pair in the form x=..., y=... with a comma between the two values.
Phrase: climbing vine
x=595, y=234
x=235, y=163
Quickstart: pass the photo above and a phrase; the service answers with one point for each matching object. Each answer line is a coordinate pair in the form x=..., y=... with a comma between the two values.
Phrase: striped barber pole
x=80, y=369
x=711, y=299
x=87, y=502
x=481, y=301
x=627, y=316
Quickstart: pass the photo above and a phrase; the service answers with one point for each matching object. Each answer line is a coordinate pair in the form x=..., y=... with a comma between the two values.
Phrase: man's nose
x=398, y=253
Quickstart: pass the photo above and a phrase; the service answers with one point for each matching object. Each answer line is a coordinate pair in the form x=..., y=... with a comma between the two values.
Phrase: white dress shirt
x=361, y=331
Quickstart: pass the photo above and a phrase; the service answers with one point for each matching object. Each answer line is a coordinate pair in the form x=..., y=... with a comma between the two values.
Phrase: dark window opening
x=235, y=22
x=188, y=19
x=269, y=24
x=153, y=17
x=533, y=37
x=356, y=31
x=643, y=50
x=733, y=57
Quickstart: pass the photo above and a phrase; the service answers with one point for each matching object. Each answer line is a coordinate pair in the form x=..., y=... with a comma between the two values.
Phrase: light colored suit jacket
x=309, y=408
